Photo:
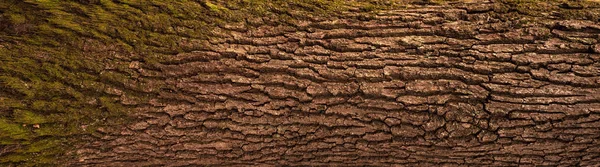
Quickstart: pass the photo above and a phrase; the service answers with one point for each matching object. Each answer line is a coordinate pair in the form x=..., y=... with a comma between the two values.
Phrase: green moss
x=10, y=103
x=17, y=19
x=17, y=85
x=54, y=73
x=42, y=145
x=65, y=20
x=28, y=117
x=114, y=77
x=13, y=131
x=49, y=79
x=60, y=130
x=14, y=158
x=215, y=8
x=111, y=106
x=49, y=106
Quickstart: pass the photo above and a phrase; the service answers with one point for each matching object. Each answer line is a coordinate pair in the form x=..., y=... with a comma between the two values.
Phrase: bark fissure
x=418, y=86
x=456, y=84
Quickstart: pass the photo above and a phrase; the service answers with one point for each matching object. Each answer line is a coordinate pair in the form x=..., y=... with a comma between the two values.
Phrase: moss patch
x=61, y=61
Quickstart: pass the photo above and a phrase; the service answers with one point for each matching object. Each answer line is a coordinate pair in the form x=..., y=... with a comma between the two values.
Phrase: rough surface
x=454, y=85
x=419, y=86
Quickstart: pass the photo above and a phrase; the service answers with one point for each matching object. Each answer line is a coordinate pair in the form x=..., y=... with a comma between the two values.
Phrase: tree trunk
x=422, y=86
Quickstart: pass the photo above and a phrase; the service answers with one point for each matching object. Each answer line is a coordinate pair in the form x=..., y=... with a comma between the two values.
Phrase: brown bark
x=423, y=86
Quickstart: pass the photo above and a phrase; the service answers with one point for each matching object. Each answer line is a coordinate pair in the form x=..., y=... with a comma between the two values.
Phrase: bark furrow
x=420, y=86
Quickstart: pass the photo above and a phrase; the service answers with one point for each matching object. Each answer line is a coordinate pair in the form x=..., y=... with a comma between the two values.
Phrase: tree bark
x=422, y=86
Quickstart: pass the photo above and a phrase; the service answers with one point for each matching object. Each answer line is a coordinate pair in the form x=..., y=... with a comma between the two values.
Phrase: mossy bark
x=100, y=74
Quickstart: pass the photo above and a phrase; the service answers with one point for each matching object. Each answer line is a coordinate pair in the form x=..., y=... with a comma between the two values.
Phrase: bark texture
x=419, y=86
x=454, y=85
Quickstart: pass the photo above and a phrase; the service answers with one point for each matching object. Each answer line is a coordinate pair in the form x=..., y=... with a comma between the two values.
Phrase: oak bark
x=422, y=86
